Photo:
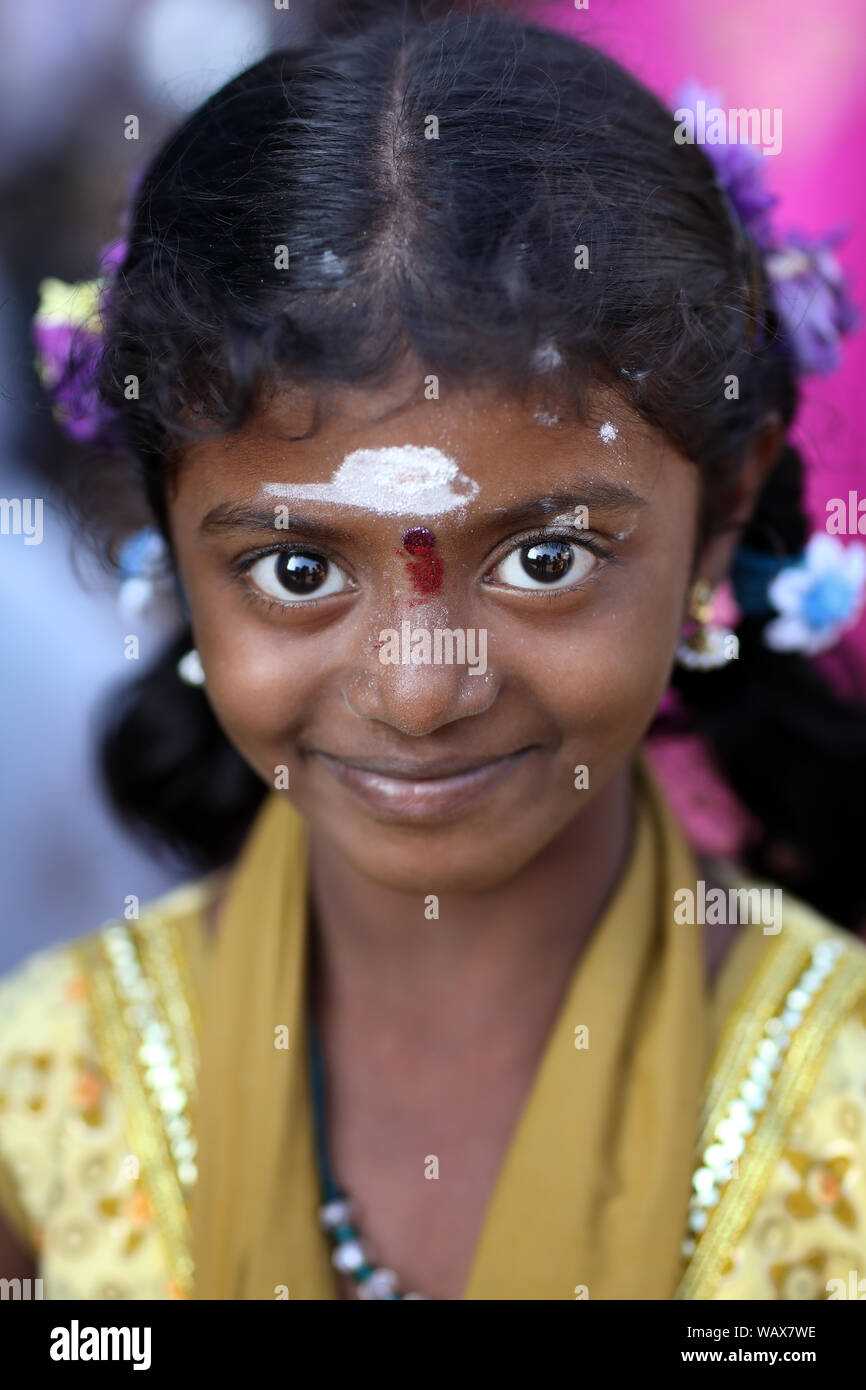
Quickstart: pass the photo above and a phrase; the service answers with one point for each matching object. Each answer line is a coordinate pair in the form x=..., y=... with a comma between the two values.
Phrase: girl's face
x=427, y=622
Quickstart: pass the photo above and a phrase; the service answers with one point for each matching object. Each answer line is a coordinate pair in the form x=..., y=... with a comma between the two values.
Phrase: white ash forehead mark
x=331, y=264
x=398, y=480
x=608, y=432
x=546, y=358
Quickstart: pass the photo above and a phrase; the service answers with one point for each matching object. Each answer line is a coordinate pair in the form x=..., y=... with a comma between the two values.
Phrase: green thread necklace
x=337, y=1213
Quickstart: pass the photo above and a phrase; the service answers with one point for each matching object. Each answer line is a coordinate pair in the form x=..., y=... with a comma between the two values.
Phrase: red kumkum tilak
x=426, y=568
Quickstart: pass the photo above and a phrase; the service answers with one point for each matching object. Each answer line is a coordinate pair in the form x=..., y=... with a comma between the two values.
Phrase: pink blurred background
x=808, y=60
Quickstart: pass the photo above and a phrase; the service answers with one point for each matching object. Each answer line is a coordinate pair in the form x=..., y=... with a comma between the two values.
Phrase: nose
x=409, y=683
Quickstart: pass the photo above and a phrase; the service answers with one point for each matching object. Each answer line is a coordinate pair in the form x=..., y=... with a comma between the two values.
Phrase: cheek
x=258, y=689
x=603, y=675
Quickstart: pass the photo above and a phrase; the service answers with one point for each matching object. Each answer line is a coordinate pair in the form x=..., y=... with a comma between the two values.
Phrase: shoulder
x=69, y=1175
x=781, y=938
x=779, y=1203
x=43, y=999
x=830, y=993
x=835, y=972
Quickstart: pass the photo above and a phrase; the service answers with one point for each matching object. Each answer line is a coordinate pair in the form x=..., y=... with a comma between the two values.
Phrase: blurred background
x=69, y=75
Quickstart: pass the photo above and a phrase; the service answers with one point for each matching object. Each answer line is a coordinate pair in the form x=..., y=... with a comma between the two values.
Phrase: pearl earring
x=708, y=646
x=190, y=669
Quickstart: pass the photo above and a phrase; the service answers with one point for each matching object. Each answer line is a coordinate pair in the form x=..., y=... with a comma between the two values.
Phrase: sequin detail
x=145, y=1030
x=157, y=1052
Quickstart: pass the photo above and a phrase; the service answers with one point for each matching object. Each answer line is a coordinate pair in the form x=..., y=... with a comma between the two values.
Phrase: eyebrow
x=237, y=517
x=600, y=496
x=605, y=497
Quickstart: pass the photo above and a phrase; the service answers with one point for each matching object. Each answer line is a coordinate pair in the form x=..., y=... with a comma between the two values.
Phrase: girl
x=457, y=386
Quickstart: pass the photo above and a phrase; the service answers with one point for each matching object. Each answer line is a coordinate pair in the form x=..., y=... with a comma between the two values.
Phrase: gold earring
x=708, y=646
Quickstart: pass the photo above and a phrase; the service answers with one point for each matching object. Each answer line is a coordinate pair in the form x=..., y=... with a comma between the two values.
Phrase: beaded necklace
x=337, y=1214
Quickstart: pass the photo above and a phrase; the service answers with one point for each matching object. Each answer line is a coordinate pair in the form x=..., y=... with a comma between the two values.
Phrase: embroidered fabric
x=97, y=1116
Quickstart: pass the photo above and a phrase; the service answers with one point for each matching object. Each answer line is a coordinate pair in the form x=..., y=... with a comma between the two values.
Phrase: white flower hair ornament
x=818, y=598
x=143, y=562
x=810, y=599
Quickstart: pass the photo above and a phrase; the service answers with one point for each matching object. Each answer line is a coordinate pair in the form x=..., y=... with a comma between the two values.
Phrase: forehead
x=388, y=451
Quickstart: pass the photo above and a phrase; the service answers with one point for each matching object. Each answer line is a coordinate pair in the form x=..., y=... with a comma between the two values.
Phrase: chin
x=450, y=862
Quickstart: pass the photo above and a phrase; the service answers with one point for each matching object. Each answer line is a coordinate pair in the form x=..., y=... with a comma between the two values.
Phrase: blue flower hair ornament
x=143, y=562
x=814, y=597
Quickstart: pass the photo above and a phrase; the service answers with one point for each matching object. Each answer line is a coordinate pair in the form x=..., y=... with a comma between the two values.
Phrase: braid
x=782, y=736
x=170, y=770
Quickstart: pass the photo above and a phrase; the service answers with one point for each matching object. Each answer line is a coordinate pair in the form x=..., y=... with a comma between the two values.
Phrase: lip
x=423, y=792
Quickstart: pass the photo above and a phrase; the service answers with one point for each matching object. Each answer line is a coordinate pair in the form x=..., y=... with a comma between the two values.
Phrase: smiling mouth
x=434, y=790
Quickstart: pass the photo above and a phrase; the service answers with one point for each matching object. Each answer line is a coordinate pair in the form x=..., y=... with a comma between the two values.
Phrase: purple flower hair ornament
x=810, y=290
x=67, y=335
x=812, y=300
x=816, y=596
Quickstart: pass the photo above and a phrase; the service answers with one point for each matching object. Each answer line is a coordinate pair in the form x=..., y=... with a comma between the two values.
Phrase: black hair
x=460, y=252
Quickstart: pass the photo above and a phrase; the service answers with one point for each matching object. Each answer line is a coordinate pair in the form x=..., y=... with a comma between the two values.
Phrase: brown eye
x=547, y=561
x=545, y=564
x=300, y=574
x=296, y=575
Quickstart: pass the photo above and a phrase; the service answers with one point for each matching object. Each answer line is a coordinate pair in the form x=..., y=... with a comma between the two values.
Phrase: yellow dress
x=99, y=1057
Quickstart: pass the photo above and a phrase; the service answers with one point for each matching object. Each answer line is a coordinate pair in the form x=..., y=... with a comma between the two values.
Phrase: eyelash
x=572, y=536
x=240, y=567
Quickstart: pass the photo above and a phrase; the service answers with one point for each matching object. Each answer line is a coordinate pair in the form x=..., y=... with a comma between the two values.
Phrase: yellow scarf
x=591, y=1197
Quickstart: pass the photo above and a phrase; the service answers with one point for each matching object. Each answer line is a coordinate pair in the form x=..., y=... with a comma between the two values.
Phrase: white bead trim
x=728, y=1144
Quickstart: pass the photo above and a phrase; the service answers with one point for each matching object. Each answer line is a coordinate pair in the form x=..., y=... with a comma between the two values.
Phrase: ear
x=739, y=500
